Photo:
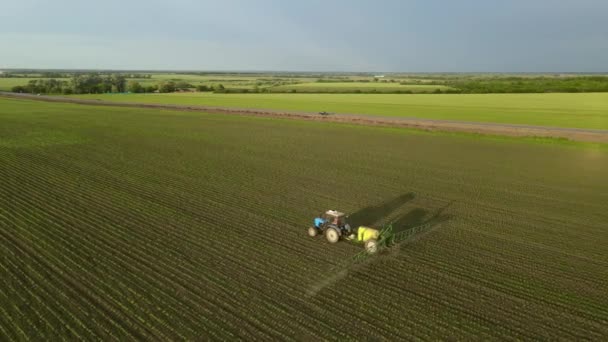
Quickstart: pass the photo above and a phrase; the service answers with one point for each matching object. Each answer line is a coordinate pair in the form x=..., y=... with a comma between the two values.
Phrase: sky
x=309, y=35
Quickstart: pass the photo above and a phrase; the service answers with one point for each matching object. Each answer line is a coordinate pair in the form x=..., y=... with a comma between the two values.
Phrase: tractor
x=333, y=225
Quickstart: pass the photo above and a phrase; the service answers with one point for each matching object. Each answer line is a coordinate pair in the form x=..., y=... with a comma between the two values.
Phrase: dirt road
x=576, y=134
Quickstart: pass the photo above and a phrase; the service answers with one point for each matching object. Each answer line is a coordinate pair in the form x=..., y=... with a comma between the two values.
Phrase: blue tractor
x=333, y=224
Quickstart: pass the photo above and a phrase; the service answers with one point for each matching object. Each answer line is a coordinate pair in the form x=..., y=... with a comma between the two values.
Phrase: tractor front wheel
x=312, y=231
x=332, y=235
x=371, y=246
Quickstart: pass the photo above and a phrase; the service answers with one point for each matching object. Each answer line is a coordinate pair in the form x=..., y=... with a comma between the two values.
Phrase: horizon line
x=254, y=71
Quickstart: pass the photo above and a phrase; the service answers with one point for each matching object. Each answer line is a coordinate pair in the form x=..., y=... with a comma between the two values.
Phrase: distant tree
x=88, y=83
x=202, y=87
x=119, y=82
x=151, y=89
x=167, y=87
x=134, y=87
x=183, y=85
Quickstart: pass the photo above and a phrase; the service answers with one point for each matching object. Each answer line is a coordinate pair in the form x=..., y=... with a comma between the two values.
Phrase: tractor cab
x=335, y=218
x=331, y=218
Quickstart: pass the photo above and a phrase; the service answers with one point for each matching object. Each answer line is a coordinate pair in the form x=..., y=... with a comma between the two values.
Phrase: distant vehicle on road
x=324, y=113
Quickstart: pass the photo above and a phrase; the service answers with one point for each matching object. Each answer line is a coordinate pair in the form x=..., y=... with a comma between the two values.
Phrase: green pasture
x=588, y=110
x=361, y=86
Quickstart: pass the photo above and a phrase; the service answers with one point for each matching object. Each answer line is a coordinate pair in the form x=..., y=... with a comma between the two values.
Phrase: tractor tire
x=332, y=235
x=312, y=232
x=371, y=246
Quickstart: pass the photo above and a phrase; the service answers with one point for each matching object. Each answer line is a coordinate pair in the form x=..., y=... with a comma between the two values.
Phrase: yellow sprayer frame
x=366, y=233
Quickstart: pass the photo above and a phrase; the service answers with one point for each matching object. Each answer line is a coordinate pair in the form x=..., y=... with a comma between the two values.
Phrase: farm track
x=191, y=227
x=503, y=129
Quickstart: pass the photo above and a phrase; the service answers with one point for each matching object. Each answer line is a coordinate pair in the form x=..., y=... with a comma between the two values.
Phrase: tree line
x=169, y=87
x=104, y=83
x=38, y=75
x=78, y=84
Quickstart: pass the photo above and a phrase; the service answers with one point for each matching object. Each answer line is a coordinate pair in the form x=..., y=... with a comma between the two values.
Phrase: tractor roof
x=334, y=213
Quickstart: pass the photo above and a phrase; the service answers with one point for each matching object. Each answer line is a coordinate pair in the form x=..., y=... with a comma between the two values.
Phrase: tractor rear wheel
x=332, y=235
x=312, y=231
x=371, y=246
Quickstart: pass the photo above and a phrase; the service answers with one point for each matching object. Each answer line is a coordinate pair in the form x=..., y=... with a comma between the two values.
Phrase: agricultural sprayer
x=333, y=225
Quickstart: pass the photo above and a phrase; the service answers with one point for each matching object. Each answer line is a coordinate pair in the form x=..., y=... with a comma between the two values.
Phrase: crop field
x=120, y=223
x=589, y=110
x=329, y=87
x=346, y=83
x=229, y=81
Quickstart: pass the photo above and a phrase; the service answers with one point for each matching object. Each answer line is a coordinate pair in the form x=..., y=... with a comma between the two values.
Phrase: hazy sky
x=307, y=35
